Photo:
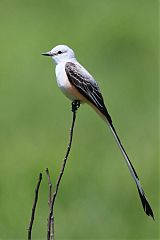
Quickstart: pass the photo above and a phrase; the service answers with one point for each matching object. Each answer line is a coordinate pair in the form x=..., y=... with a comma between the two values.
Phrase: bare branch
x=34, y=207
x=50, y=205
x=75, y=106
x=50, y=187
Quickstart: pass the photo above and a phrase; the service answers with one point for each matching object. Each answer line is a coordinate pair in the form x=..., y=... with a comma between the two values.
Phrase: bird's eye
x=59, y=52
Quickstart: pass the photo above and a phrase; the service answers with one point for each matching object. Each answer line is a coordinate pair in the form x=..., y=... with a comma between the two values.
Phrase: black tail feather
x=147, y=208
x=145, y=203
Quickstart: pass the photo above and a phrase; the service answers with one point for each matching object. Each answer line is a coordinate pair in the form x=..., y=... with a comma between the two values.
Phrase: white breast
x=62, y=80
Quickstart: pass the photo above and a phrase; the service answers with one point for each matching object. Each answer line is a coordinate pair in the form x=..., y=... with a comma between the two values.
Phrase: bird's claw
x=75, y=105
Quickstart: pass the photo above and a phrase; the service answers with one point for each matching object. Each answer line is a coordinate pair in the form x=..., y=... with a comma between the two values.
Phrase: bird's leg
x=75, y=105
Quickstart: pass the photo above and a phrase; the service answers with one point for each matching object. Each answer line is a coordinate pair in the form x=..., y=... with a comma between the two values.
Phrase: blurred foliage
x=116, y=40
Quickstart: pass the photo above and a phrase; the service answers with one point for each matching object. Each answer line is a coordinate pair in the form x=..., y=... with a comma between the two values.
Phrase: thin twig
x=50, y=187
x=34, y=207
x=75, y=106
x=50, y=205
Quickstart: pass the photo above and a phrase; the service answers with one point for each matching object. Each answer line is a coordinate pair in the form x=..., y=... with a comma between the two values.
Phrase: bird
x=78, y=84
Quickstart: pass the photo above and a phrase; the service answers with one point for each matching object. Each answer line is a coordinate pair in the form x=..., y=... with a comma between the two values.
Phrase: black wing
x=85, y=84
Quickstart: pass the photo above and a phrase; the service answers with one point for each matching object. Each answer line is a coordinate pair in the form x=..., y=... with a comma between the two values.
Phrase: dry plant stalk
x=75, y=106
x=34, y=207
x=52, y=197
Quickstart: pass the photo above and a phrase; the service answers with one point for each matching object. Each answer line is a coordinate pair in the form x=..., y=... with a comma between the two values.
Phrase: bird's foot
x=75, y=105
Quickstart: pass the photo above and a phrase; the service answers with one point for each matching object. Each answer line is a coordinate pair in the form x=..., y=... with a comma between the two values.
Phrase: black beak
x=49, y=54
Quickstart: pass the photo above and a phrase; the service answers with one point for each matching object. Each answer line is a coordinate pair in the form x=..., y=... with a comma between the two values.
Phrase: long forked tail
x=147, y=208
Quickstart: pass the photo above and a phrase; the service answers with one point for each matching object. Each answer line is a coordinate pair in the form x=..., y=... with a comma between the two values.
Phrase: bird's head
x=60, y=53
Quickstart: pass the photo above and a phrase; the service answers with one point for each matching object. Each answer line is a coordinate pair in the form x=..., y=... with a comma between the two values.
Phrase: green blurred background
x=116, y=40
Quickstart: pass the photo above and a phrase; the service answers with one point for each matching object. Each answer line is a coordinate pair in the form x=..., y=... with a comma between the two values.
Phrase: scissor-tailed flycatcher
x=77, y=84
